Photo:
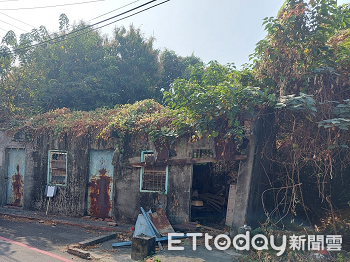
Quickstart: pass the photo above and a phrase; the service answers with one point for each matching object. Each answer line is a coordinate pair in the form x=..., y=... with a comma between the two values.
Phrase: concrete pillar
x=252, y=176
x=244, y=181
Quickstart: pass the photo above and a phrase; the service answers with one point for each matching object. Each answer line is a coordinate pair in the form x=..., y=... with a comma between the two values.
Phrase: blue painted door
x=100, y=191
x=15, y=175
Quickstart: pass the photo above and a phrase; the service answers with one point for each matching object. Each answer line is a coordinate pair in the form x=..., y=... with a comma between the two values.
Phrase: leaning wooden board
x=161, y=222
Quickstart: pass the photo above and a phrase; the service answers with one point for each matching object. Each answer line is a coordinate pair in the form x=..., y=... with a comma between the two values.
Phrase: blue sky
x=222, y=30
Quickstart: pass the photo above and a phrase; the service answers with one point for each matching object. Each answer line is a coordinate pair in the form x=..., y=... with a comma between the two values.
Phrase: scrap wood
x=212, y=229
x=220, y=191
x=160, y=221
x=215, y=201
x=191, y=226
x=215, y=206
x=220, y=199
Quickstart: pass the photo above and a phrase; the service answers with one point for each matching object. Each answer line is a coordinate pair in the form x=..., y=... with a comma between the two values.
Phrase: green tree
x=79, y=68
x=137, y=63
x=296, y=44
x=174, y=67
x=214, y=99
x=305, y=60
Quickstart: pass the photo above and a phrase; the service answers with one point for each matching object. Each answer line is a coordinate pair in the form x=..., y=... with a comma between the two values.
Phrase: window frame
x=143, y=153
x=51, y=152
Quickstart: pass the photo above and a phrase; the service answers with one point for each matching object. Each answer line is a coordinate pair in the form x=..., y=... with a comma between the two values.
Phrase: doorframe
x=87, y=211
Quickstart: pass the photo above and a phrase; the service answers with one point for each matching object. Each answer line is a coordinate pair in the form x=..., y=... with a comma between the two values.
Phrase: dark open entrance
x=210, y=190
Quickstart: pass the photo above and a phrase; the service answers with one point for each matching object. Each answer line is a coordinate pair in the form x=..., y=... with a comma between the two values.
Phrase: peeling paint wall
x=15, y=176
x=100, y=186
x=7, y=143
x=177, y=201
x=72, y=199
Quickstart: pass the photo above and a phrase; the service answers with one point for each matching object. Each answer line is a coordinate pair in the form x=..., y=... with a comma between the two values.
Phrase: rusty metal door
x=100, y=183
x=15, y=177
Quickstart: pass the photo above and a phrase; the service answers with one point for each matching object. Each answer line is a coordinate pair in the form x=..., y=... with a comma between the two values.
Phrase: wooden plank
x=231, y=204
x=184, y=161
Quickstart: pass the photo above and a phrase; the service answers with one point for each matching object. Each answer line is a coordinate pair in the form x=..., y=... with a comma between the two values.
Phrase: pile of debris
x=151, y=224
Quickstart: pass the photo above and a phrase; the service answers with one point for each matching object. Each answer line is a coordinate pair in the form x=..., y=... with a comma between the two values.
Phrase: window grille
x=155, y=178
x=57, y=173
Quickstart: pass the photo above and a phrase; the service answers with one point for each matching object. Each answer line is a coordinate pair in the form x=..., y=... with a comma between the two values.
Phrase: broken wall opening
x=210, y=190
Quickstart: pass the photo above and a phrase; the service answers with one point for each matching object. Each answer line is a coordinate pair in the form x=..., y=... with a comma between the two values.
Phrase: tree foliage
x=175, y=67
x=80, y=69
x=214, y=99
x=304, y=58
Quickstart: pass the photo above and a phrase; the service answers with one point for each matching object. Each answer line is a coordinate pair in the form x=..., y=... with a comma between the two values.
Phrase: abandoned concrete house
x=191, y=180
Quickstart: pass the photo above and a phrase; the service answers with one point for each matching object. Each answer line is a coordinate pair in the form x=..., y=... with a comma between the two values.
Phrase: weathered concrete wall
x=252, y=176
x=70, y=200
x=179, y=194
x=176, y=202
x=6, y=143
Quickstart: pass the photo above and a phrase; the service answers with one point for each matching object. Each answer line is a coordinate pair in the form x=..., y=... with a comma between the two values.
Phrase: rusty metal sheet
x=15, y=175
x=100, y=187
x=161, y=222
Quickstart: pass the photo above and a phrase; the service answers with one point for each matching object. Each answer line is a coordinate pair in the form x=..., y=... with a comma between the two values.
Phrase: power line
x=89, y=26
x=119, y=14
x=14, y=26
x=92, y=29
x=9, y=1
x=112, y=11
x=70, y=26
x=131, y=15
x=38, y=7
x=17, y=20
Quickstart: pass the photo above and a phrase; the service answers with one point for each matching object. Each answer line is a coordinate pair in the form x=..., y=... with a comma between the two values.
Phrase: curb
x=86, y=226
x=97, y=240
x=73, y=249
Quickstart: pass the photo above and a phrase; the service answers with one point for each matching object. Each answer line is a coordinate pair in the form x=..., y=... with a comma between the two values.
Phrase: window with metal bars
x=155, y=178
x=57, y=168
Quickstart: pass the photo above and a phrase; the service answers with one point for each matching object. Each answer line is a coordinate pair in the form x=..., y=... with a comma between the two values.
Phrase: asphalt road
x=23, y=240
x=27, y=241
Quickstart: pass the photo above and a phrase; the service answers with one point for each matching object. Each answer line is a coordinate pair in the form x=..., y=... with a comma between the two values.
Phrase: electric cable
x=14, y=26
x=70, y=26
x=112, y=11
x=131, y=15
x=17, y=20
x=74, y=32
x=117, y=15
x=92, y=29
x=38, y=7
